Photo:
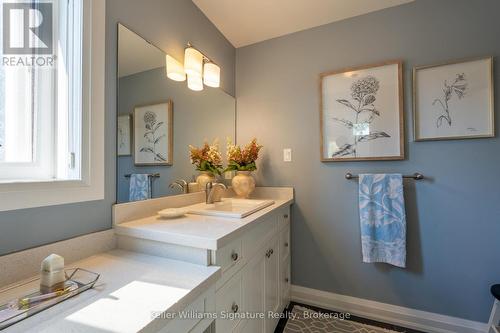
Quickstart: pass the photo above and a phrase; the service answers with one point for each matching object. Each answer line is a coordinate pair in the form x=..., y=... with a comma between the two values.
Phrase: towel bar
x=416, y=176
x=151, y=175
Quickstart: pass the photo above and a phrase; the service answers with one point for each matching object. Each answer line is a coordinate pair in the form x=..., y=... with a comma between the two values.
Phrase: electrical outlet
x=287, y=155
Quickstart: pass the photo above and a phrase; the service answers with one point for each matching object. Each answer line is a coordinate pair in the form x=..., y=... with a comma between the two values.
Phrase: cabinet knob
x=234, y=308
x=272, y=251
x=268, y=253
x=234, y=256
x=286, y=280
x=286, y=244
x=285, y=216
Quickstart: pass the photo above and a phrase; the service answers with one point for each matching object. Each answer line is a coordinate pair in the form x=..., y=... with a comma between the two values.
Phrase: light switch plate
x=287, y=155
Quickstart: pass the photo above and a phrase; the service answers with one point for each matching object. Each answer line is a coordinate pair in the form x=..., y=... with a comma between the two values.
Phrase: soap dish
x=13, y=305
x=172, y=213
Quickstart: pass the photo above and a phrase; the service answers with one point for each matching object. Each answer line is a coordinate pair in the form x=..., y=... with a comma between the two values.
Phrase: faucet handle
x=181, y=182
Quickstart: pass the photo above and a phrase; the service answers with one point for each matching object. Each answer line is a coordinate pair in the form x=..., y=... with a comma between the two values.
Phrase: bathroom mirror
x=159, y=118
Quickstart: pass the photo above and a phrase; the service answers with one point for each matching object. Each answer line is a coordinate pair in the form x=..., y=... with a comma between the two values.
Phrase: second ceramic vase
x=243, y=184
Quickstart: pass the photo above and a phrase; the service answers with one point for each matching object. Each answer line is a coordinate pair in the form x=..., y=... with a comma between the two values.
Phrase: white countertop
x=131, y=288
x=205, y=232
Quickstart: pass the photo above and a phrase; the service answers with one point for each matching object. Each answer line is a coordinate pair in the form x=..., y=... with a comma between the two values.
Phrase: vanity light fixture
x=198, y=69
x=175, y=70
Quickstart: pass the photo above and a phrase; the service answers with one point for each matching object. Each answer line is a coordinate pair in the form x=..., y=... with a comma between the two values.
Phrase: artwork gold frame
x=145, y=144
x=398, y=111
x=489, y=101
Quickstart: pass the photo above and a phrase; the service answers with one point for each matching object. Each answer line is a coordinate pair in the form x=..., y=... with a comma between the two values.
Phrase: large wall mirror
x=159, y=118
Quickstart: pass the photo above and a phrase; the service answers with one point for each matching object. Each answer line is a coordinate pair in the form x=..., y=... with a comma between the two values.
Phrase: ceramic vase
x=204, y=178
x=243, y=184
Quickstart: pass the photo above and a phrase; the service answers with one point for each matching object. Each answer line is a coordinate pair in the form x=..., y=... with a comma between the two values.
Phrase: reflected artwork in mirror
x=158, y=118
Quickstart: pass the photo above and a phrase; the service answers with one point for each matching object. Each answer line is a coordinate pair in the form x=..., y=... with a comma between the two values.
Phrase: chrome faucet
x=181, y=184
x=211, y=189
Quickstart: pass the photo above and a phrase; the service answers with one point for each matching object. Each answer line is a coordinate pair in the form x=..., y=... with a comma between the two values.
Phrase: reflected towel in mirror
x=140, y=187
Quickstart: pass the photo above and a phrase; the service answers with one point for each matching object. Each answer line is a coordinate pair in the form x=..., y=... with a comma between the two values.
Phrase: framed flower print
x=361, y=113
x=454, y=100
x=153, y=134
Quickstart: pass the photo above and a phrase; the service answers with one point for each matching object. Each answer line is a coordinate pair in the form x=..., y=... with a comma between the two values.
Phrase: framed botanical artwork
x=153, y=134
x=361, y=113
x=124, y=139
x=454, y=100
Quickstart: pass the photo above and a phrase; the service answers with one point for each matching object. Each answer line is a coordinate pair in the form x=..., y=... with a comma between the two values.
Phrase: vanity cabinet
x=259, y=283
x=253, y=255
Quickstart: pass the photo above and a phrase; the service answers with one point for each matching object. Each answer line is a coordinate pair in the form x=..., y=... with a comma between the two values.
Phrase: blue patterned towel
x=383, y=219
x=140, y=187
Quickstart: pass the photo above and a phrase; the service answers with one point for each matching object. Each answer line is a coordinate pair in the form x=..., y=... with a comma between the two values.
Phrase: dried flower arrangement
x=242, y=159
x=207, y=158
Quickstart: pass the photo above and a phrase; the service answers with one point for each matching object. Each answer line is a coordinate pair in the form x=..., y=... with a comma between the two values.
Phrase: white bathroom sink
x=230, y=207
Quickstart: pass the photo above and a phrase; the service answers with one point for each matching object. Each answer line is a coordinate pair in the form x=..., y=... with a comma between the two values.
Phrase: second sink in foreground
x=230, y=207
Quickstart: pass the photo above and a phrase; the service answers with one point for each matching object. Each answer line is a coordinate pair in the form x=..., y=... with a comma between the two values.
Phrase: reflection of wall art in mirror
x=361, y=113
x=454, y=100
x=124, y=140
x=153, y=134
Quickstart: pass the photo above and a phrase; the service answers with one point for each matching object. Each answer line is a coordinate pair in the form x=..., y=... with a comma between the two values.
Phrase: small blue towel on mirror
x=382, y=218
x=140, y=187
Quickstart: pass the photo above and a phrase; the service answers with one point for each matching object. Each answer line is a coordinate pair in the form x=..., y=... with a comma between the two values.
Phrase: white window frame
x=90, y=187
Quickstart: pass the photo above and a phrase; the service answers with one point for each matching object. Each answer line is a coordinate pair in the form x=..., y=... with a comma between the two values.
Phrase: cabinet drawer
x=285, y=243
x=228, y=301
x=257, y=236
x=229, y=255
x=284, y=217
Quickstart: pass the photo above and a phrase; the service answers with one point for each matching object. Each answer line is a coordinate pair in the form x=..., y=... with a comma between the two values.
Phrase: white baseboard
x=397, y=315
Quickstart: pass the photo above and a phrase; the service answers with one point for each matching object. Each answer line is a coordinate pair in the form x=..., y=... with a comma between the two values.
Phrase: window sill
x=30, y=194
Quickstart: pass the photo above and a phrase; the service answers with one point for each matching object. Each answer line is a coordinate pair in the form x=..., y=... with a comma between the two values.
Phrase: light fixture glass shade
x=195, y=82
x=211, y=75
x=175, y=71
x=193, y=62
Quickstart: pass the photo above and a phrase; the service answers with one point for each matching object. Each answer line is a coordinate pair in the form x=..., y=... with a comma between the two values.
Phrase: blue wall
x=453, y=217
x=167, y=23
